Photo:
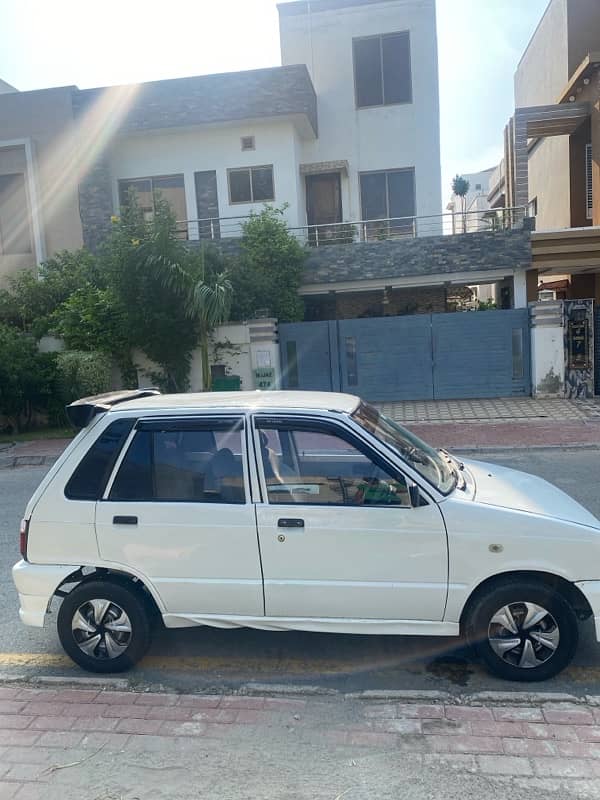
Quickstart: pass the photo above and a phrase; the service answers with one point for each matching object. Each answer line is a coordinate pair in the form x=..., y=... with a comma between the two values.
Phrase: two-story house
x=347, y=129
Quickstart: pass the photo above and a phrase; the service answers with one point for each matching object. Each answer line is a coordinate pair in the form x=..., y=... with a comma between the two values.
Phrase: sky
x=47, y=43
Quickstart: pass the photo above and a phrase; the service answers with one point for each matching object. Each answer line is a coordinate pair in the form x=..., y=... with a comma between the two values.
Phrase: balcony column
x=520, y=289
x=595, y=125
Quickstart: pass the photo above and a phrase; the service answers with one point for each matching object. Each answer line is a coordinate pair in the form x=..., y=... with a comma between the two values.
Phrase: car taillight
x=24, y=530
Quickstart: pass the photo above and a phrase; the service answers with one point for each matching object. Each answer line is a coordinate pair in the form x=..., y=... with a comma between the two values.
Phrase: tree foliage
x=27, y=377
x=267, y=276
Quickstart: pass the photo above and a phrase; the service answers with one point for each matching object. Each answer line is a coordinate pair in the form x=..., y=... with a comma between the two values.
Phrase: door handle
x=287, y=522
x=125, y=520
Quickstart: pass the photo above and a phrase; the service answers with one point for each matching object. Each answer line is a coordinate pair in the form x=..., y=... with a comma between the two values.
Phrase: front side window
x=422, y=458
x=195, y=463
x=149, y=190
x=319, y=467
x=382, y=74
x=90, y=477
x=251, y=185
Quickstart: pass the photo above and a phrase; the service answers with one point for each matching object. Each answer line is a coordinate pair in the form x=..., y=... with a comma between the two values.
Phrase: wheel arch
x=568, y=590
x=81, y=576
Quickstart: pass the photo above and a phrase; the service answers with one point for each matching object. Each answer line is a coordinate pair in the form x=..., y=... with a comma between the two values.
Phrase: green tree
x=268, y=274
x=31, y=297
x=460, y=187
x=80, y=374
x=27, y=377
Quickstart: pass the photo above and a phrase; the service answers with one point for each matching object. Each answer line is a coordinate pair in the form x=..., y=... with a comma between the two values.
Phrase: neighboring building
x=346, y=130
x=469, y=213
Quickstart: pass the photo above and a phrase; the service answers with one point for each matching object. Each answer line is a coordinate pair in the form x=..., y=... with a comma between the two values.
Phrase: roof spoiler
x=81, y=412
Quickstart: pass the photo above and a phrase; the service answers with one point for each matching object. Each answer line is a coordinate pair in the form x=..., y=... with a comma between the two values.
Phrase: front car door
x=338, y=535
x=178, y=511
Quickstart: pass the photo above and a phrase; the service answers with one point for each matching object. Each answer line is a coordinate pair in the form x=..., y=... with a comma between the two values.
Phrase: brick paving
x=50, y=738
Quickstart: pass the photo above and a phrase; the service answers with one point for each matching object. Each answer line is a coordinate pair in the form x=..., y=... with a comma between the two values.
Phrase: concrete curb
x=405, y=696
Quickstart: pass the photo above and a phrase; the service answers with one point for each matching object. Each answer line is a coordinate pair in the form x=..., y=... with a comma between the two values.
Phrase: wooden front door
x=323, y=203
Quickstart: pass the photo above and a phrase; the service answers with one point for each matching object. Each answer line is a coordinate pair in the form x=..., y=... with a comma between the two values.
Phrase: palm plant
x=460, y=187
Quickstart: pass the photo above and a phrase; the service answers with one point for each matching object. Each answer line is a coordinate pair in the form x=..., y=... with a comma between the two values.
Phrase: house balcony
x=217, y=229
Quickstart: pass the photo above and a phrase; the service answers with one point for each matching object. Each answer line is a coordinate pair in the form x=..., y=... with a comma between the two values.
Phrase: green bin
x=230, y=383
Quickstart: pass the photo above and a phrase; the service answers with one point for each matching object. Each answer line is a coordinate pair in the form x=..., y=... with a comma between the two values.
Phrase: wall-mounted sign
x=264, y=378
x=578, y=341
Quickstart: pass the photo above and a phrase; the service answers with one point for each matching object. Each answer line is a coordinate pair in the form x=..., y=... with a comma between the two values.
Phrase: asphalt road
x=201, y=658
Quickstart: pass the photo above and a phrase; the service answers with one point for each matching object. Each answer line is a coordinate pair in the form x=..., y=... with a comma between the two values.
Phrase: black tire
x=131, y=646
x=561, y=622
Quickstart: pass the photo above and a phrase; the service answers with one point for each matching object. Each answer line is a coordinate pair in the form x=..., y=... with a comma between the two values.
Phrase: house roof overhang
x=581, y=77
x=571, y=250
x=555, y=120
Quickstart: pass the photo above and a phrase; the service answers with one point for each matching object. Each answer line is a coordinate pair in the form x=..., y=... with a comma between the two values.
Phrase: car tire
x=104, y=626
x=523, y=630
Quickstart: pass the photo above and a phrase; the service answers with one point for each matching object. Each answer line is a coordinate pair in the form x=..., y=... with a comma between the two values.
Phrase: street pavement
x=205, y=658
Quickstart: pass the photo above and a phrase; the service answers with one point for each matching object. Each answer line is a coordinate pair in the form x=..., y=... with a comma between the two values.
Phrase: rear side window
x=167, y=463
x=90, y=477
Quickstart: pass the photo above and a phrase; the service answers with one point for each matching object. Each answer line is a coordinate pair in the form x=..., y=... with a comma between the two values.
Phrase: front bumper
x=591, y=592
x=36, y=584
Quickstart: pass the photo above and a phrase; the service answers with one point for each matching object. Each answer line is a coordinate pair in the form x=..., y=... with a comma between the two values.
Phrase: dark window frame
x=153, y=190
x=380, y=37
x=313, y=425
x=250, y=170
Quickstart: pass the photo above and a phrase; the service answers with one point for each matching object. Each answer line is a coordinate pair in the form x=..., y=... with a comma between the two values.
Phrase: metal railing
x=369, y=230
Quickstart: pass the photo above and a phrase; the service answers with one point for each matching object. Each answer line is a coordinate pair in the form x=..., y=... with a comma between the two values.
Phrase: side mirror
x=414, y=494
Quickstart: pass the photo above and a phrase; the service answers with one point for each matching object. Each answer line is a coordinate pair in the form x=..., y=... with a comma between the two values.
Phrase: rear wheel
x=523, y=631
x=104, y=627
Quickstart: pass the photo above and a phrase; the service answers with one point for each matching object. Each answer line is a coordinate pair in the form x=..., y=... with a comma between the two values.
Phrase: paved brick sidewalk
x=108, y=745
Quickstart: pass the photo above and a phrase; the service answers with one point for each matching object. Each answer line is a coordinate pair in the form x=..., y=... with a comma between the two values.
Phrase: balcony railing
x=371, y=230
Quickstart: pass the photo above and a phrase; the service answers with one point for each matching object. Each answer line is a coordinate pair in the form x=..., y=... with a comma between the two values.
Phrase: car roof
x=248, y=401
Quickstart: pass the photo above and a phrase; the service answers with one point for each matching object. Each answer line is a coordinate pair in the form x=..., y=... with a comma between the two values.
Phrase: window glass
x=201, y=466
x=395, y=56
x=382, y=74
x=240, y=190
x=89, y=479
x=373, y=195
x=15, y=236
x=262, y=184
x=327, y=470
x=430, y=463
x=148, y=190
x=367, y=72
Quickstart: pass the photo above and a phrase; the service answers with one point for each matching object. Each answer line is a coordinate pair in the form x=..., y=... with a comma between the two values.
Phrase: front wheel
x=104, y=626
x=523, y=631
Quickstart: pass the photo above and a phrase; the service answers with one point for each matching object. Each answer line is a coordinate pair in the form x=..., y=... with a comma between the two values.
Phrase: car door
x=338, y=535
x=178, y=511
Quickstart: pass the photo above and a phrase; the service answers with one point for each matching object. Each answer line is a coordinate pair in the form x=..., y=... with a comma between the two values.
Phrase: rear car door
x=178, y=511
x=339, y=537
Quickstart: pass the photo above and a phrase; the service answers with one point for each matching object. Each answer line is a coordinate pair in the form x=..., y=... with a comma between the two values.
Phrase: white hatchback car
x=297, y=511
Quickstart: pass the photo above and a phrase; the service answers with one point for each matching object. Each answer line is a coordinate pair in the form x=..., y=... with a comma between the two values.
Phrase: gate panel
x=597, y=352
x=386, y=358
x=306, y=356
x=481, y=354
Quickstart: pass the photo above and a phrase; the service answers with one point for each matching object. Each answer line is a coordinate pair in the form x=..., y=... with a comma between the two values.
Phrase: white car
x=297, y=511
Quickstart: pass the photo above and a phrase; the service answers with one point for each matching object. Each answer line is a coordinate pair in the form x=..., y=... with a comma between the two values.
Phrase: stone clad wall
x=434, y=255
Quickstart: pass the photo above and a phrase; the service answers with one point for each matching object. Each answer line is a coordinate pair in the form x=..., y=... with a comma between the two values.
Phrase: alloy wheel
x=523, y=634
x=101, y=629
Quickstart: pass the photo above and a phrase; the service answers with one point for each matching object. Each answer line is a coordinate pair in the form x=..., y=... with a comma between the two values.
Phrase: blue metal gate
x=420, y=357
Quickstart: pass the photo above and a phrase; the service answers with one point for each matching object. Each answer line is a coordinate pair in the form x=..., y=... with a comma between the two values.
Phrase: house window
x=15, y=237
x=251, y=185
x=589, y=197
x=248, y=143
x=149, y=190
x=382, y=75
x=389, y=196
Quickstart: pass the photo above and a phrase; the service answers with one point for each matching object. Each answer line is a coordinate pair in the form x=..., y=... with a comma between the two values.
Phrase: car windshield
x=424, y=459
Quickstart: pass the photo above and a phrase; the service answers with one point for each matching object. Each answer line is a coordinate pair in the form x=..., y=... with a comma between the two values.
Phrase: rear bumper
x=591, y=592
x=36, y=584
